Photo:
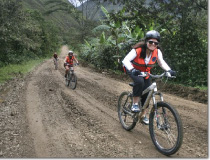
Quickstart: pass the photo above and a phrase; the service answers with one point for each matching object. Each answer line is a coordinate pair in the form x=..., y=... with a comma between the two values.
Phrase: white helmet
x=70, y=52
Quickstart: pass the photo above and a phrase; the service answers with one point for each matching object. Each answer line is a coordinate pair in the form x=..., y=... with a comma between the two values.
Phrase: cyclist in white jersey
x=142, y=58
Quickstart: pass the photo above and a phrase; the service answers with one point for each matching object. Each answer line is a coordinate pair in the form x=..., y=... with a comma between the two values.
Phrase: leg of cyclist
x=137, y=91
x=67, y=69
x=147, y=83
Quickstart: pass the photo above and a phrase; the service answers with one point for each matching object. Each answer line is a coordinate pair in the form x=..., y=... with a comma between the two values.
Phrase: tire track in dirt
x=35, y=119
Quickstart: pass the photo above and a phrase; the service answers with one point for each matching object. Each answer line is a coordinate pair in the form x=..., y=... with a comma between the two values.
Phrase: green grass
x=203, y=88
x=10, y=71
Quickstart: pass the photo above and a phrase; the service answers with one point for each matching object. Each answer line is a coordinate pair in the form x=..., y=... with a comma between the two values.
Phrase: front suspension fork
x=157, y=118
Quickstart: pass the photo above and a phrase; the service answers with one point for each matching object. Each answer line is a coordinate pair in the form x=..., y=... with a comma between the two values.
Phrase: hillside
x=61, y=19
x=92, y=9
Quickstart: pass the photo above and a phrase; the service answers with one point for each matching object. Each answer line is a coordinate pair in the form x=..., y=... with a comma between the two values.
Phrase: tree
x=183, y=27
x=24, y=34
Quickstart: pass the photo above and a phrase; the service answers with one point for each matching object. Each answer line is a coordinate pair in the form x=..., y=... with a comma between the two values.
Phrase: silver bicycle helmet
x=152, y=34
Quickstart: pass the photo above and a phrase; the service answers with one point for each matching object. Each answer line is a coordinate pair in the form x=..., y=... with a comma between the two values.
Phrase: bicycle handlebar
x=75, y=64
x=144, y=74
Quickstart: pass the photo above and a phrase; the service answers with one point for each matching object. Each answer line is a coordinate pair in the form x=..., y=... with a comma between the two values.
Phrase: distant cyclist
x=55, y=60
x=69, y=61
x=55, y=57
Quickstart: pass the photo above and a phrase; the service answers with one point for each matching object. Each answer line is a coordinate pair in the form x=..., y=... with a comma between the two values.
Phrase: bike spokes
x=127, y=119
x=67, y=79
x=164, y=133
x=73, y=81
x=166, y=129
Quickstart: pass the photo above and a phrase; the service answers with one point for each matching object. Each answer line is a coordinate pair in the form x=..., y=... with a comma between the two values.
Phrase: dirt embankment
x=189, y=93
x=41, y=118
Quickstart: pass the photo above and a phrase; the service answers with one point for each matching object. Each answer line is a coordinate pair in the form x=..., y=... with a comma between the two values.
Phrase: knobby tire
x=73, y=81
x=67, y=79
x=125, y=102
x=169, y=136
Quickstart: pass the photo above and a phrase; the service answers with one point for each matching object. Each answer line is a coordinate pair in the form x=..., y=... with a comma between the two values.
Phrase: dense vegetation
x=183, y=27
x=25, y=35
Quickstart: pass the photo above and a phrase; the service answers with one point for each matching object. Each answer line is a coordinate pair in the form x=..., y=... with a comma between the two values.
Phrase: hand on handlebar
x=171, y=73
x=67, y=64
x=135, y=72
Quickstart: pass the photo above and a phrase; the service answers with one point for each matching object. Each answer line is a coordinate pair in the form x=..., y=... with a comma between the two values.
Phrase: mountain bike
x=71, y=78
x=55, y=63
x=165, y=125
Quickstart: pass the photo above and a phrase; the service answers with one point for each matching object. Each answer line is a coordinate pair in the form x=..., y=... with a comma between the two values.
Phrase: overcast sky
x=76, y=3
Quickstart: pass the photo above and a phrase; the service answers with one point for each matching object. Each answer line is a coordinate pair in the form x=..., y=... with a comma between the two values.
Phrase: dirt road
x=40, y=117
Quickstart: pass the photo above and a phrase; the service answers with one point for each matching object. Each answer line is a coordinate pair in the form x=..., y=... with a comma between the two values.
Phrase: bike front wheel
x=127, y=118
x=73, y=81
x=68, y=79
x=165, y=129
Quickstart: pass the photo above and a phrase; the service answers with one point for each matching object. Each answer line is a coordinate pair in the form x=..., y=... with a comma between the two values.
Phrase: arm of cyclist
x=128, y=58
x=127, y=62
x=164, y=65
x=131, y=56
x=76, y=60
x=65, y=61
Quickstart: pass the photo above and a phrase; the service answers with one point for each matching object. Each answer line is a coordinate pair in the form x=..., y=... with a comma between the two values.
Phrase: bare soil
x=42, y=118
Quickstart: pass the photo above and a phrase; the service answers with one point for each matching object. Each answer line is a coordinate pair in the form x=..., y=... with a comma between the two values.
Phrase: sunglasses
x=152, y=42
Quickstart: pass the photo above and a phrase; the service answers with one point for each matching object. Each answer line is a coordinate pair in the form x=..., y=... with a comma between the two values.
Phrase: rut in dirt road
x=83, y=123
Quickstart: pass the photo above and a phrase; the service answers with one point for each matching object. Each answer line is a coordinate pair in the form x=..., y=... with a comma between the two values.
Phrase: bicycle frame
x=71, y=69
x=152, y=89
x=152, y=92
x=70, y=72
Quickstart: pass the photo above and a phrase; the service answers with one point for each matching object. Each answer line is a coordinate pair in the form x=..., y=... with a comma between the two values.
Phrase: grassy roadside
x=10, y=71
x=13, y=70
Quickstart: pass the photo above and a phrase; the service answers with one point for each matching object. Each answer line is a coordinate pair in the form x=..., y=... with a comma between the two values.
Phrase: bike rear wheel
x=166, y=129
x=127, y=118
x=73, y=81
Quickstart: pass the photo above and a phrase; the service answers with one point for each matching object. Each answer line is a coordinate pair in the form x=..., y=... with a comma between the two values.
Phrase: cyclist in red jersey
x=69, y=61
x=55, y=58
x=55, y=55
